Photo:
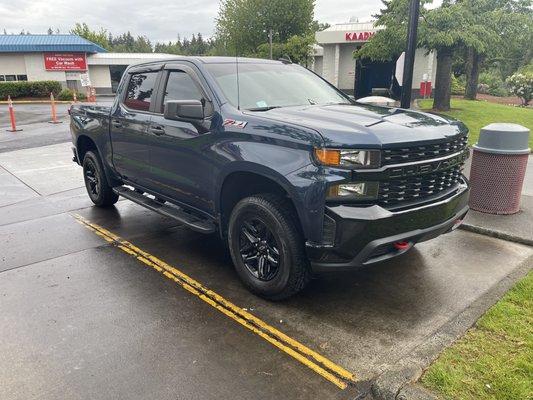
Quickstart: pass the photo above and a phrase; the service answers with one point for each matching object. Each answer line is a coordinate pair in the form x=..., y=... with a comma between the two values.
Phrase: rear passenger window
x=140, y=91
x=180, y=86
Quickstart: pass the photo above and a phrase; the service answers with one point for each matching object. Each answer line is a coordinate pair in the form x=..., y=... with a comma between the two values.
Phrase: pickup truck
x=295, y=176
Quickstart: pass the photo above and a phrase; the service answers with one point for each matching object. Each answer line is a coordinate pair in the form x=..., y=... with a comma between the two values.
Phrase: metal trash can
x=499, y=164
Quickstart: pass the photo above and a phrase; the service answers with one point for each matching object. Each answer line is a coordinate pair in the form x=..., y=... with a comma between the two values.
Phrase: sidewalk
x=517, y=227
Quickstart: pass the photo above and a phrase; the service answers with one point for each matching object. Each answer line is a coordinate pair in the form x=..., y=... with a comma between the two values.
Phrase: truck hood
x=367, y=125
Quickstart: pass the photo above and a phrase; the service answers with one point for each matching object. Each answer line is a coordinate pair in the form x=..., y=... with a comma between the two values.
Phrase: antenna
x=238, y=89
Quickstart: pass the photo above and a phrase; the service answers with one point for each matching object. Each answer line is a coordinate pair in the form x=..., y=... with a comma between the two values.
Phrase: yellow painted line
x=318, y=363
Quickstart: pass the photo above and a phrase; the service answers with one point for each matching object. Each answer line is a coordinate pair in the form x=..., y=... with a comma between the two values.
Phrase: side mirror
x=184, y=110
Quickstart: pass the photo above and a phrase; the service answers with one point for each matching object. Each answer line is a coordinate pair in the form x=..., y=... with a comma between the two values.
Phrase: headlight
x=349, y=158
x=354, y=191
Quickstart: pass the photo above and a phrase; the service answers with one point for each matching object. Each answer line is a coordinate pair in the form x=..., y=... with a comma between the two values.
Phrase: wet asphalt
x=81, y=319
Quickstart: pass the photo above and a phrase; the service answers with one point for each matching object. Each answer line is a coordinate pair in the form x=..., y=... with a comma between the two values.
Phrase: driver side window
x=180, y=86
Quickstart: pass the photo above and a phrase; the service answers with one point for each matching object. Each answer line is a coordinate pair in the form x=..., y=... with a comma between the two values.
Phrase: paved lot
x=82, y=319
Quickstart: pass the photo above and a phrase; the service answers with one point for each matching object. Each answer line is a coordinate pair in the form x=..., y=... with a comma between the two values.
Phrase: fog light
x=353, y=191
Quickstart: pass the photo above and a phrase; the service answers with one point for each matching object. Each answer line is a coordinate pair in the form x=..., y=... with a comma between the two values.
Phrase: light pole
x=270, y=41
x=407, y=81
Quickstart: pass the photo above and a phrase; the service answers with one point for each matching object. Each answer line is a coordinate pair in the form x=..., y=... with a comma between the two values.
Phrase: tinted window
x=11, y=78
x=140, y=91
x=181, y=86
x=22, y=77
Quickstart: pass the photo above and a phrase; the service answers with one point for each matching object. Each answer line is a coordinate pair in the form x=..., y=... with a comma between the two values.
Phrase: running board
x=171, y=211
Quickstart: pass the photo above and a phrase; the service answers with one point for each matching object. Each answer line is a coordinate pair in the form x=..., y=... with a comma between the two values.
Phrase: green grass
x=477, y=114
x=494, y=359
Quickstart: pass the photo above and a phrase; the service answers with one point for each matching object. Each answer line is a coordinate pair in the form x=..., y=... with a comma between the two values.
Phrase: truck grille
x=417, y=153
x=418, y=187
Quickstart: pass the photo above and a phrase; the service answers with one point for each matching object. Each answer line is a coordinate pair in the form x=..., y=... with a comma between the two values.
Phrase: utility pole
x=270, y=41
x=412, y=28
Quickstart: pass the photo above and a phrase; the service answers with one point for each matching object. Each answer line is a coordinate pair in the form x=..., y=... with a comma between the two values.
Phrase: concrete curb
x=496, y=234
x=37, y=102
x=400, y=382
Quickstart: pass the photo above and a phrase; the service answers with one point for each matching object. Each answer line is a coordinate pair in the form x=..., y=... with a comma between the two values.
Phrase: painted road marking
x=316, y=362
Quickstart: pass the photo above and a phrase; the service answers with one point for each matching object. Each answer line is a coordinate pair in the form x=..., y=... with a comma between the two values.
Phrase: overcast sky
x=159, y=20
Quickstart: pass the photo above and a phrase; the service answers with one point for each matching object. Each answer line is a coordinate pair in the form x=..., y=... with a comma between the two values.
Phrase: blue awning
x=47, y=43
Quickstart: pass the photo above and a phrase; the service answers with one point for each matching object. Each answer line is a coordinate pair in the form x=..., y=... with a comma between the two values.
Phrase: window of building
x=11, y=78
x=181, y=86
x=2, y=78
x=22, y=77
x=140, y=90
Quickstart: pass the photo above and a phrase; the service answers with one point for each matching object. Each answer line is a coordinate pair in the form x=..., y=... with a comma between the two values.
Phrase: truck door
x=181, y=169
x=130, y=120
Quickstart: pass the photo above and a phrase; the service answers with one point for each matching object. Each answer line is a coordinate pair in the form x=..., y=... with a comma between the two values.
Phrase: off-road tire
x=103, y=196
x=279, y=216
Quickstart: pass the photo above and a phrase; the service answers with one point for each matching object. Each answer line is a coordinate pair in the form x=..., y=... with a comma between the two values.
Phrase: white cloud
x=157, y=19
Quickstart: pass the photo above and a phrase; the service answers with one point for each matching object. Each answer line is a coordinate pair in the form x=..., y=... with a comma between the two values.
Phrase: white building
x=63, y=58
x=334, y=61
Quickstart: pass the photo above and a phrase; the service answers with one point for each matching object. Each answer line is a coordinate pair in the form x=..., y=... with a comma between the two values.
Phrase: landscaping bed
x=477, y=114
x=494, y=359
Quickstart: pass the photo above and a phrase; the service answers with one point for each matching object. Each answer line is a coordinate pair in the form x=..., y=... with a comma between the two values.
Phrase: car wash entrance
x=375, y=78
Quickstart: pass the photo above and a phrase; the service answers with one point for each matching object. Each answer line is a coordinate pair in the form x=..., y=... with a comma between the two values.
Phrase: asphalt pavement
x=84, y=318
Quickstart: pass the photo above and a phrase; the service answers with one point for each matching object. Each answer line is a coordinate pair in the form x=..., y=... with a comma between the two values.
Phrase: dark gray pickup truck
x=295, y=176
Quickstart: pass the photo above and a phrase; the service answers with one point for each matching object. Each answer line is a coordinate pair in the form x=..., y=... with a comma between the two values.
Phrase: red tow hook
x=402, y=245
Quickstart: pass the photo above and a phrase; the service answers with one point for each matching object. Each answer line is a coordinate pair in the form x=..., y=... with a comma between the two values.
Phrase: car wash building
x=63, y=58
x=334, y=60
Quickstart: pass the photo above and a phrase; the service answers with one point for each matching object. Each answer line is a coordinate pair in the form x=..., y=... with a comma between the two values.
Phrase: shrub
x=491, y=82
x=28, y=89
x=458, y=86
x=68, y=95
x=522, y=86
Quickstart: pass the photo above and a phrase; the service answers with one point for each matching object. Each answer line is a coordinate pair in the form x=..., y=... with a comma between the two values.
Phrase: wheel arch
x=244, y=182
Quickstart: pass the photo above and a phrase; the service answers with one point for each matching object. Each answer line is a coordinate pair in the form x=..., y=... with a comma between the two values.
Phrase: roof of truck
x=209, y=60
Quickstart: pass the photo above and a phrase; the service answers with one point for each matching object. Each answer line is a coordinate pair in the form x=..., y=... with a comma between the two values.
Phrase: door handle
x=157, y=130
x=116, y=123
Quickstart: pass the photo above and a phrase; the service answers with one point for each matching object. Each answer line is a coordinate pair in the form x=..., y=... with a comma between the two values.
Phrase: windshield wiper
x=263, y=108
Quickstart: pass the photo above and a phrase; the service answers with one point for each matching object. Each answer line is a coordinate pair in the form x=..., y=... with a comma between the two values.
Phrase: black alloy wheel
x=101, y=194
x=267, y=246
x=259, y=249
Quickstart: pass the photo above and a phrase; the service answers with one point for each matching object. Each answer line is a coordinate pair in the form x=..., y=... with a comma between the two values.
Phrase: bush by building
x=67, y=95
x=29, y=89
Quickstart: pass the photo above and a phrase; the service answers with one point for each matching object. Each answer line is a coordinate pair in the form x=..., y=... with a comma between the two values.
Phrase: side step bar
x=171, y=211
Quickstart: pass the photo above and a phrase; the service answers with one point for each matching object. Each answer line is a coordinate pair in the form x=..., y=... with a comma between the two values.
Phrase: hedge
x=29, y=89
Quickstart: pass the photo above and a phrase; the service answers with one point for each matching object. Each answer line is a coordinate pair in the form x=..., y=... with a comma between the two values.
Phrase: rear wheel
x=100, y=193
x=267, y=247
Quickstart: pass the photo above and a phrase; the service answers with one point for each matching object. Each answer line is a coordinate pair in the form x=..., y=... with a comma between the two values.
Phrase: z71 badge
x=234, y=123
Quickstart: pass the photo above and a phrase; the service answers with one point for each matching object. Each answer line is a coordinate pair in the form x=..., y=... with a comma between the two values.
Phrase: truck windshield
x=263, y=86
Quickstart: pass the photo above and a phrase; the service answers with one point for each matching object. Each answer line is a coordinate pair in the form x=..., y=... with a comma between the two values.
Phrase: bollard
x=498, y=169
x=53, y=105
x=12, y=116
x=74, y=97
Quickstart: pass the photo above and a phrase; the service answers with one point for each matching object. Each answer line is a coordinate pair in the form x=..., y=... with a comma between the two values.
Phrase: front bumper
x=366, y=235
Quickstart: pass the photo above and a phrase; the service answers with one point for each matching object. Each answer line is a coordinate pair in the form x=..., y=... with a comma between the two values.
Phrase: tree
x=98, y=37
x=243, y=25
x=495, y=21
x=297, y=48
x=445, y=29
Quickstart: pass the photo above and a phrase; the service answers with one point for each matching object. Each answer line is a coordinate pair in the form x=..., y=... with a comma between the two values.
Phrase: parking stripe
x=316, y=362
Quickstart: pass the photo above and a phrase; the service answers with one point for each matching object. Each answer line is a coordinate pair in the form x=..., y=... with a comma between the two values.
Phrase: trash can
x=499, y=164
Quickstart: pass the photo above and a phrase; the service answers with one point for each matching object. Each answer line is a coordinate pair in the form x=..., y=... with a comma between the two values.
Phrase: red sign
x=65, y=62
x=358, y=36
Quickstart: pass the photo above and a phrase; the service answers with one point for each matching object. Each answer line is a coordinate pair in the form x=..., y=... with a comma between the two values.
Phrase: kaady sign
x=65, y=62
x=358, y=36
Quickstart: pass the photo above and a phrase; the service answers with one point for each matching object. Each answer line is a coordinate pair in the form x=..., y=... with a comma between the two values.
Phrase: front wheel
x=98, y=189
x=267, y=247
